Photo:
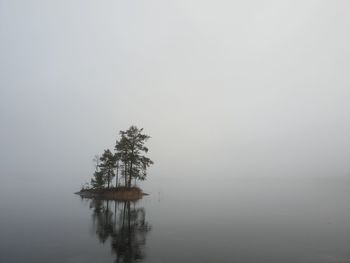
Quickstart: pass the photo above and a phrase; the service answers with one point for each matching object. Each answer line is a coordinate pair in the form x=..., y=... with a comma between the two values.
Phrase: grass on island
x=114, y=193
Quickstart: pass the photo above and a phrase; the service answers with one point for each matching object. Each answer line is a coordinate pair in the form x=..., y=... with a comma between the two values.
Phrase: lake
x=236, y=219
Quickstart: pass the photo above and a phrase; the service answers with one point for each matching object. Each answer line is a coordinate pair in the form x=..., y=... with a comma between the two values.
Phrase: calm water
x=237, y=220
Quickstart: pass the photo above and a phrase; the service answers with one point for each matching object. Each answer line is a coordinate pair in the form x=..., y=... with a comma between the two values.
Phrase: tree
x=129, y=160
x=98, y=181
x=118, y=166
x=96, y=162
x=130, y=150
x=107, y=166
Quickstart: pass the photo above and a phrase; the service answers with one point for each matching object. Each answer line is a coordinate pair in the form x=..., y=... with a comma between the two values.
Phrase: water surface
x=248, y=219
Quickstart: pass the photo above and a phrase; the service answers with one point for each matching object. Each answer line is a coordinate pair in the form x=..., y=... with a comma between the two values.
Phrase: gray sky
x=254, y=87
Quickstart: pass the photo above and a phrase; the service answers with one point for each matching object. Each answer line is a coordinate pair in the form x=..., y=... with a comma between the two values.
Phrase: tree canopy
x=129, y=158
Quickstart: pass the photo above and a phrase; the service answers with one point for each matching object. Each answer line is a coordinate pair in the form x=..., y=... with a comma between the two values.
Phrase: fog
x=225, y=88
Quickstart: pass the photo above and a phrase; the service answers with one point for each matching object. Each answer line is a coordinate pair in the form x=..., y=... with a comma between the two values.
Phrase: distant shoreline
x=116, y=193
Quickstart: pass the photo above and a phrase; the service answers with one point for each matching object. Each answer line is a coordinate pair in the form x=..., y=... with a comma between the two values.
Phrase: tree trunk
x=131, y=159
x=116, y=177
x=125, y=175
x=130, y=175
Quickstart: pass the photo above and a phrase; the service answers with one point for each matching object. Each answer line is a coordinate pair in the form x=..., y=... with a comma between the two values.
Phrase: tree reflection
x=124, y=225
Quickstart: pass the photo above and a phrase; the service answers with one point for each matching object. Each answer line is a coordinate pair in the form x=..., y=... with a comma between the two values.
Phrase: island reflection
x=124, y=225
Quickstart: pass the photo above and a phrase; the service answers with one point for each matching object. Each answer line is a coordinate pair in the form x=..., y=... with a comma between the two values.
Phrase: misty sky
x=254, y=87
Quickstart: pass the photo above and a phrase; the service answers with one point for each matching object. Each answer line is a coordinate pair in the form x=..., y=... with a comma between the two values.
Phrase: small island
x=127, y=164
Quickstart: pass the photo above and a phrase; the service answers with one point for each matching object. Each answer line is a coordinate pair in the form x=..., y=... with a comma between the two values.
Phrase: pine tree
x=98, y=181
x=107, y=166
x=130, y=150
